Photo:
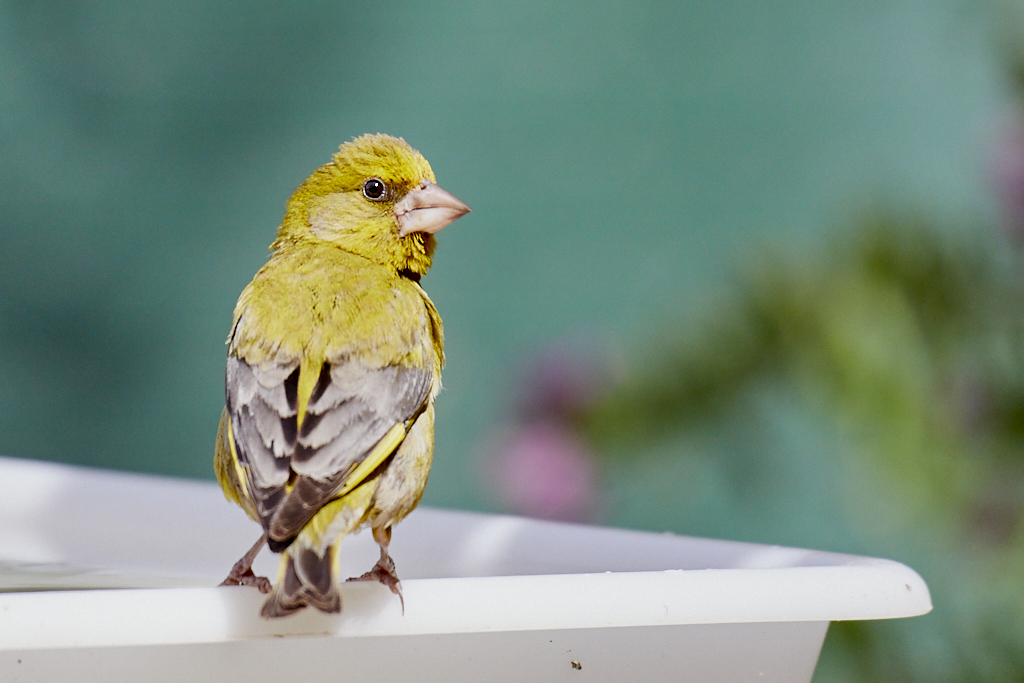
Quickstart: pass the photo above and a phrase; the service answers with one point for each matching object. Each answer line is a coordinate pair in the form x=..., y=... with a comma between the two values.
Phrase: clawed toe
x=248, y=578
x=386, y=576
x=241, y=574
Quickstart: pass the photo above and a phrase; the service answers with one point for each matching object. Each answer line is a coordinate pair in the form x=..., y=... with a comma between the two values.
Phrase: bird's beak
x=427, y=208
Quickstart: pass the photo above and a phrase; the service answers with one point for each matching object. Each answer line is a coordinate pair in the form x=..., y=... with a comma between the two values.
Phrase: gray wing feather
x=266, y=470
x=351, y=409
x=256, y=399
x=243, y=382
x=354, y=412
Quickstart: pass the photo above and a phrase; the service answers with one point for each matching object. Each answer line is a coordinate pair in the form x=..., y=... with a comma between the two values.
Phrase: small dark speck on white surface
x=576, y=665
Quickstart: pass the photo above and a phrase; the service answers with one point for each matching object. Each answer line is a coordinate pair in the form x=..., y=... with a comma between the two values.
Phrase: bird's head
x=378, y=198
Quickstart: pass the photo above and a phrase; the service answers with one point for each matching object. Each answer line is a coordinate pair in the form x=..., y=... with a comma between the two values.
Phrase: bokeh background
x=738, y=269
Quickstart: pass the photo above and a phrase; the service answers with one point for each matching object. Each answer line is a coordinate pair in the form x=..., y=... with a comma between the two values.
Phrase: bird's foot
x=246, y=577
x=242, y=575
x=385, y=574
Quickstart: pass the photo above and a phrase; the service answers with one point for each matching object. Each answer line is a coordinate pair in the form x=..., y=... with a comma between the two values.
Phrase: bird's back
x=329, y=352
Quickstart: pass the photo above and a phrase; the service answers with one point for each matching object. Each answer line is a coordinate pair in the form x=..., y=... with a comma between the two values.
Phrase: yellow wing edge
x=384, y=448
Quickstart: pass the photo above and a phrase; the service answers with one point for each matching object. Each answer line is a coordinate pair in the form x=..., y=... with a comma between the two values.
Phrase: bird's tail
x=305, y=578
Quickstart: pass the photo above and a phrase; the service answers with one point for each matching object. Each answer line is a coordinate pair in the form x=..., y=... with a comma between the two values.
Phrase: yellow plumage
x=334, y=362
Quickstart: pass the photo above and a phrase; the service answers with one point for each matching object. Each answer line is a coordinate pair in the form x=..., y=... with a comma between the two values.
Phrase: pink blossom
x=543, y=469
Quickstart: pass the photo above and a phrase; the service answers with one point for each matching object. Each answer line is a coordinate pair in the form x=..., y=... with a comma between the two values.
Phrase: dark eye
x=374, y=189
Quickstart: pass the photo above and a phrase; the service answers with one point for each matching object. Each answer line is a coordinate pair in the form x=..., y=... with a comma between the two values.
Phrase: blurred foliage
x=908, y=339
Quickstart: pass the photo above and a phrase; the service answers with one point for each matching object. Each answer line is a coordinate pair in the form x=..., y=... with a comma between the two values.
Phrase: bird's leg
x=384, y=570
x=242, y=575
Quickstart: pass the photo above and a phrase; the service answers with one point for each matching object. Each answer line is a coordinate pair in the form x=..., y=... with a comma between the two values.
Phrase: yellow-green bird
x=334, y=362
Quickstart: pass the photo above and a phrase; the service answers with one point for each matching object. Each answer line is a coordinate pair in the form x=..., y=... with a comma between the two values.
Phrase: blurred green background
x=628, y=163
x=617, y=157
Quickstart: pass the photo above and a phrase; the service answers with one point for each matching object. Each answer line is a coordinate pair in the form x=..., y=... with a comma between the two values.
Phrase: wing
x=293, y=468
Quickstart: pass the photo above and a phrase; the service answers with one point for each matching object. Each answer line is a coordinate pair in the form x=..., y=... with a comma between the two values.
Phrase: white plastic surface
x=487, y=597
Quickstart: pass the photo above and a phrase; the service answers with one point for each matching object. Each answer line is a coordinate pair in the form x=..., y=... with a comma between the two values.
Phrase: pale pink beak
x=427, y=208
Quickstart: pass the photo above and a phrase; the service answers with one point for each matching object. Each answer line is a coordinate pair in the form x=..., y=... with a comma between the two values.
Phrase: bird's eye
x=374, y=189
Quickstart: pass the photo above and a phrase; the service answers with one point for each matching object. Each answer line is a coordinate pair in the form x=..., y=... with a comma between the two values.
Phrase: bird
x=334, y=362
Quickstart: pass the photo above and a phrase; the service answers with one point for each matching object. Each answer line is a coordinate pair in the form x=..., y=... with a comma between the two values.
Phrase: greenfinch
x=334, y=362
